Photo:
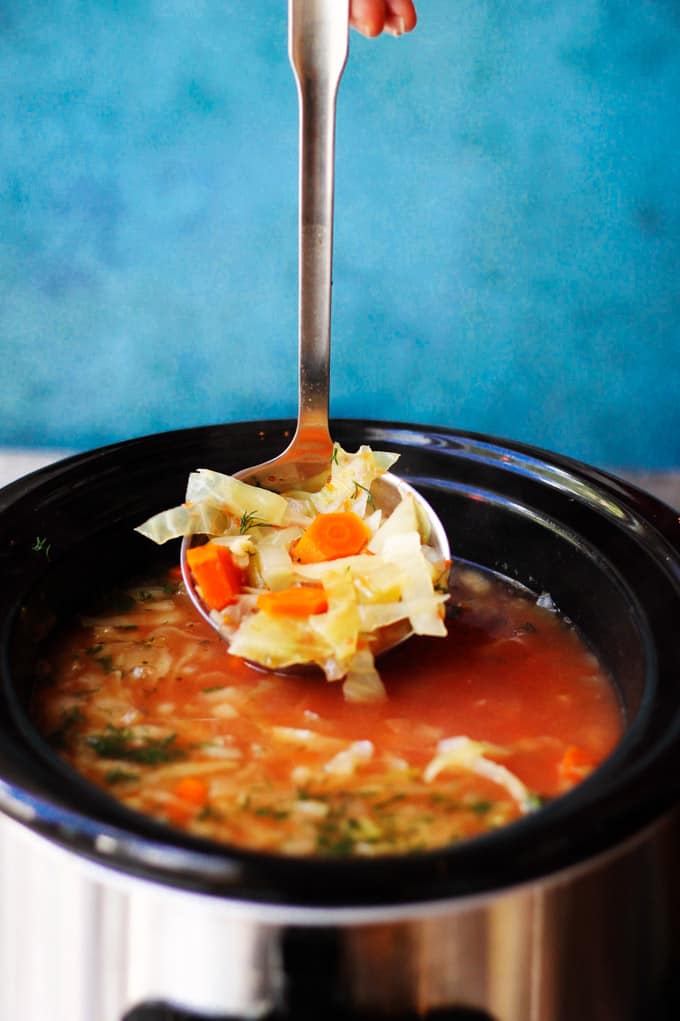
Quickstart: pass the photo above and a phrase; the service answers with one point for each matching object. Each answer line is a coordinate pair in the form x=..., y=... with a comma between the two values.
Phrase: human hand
x=371, y=17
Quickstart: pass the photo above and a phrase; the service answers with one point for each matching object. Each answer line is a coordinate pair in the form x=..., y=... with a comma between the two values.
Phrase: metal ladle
x=318, y=43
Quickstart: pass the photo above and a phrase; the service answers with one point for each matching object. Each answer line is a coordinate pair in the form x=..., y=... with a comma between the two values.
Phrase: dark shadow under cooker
x=569, y=915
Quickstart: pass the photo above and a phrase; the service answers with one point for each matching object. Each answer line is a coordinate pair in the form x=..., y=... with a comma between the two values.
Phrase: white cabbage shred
x=395, y=580
x=462, y=753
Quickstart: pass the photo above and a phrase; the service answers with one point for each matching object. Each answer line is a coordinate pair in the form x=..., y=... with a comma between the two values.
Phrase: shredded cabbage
x=462, y=753
x=396, y=579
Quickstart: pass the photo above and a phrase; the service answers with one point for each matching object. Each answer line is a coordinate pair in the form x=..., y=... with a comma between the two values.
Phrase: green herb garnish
x=208, y=812
x=41, y=545
x=122, y=743
x=249, y=519
x=120, y=776
x=339, y=848
x=271, y=813
x=370, y=501
x=535, y=801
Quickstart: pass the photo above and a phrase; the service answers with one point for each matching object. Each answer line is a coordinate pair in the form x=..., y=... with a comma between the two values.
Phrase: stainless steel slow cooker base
x=79, y=942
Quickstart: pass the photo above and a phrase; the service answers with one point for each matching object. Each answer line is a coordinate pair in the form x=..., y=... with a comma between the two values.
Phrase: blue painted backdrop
x=507, y=221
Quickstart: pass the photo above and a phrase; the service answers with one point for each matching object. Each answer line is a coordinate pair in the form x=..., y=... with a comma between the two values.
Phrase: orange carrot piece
x=330, y=536
x=216, y=574
x=192, y=789
x=298, y=601
x=575, y=764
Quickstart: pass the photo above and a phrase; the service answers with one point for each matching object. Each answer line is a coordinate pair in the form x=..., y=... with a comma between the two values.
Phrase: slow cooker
x=570, y=914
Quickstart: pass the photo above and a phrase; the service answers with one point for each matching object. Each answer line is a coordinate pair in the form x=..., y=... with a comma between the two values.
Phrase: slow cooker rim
x=444, y=437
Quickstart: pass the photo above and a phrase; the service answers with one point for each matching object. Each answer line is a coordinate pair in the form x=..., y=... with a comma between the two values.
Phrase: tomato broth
x=477, y=729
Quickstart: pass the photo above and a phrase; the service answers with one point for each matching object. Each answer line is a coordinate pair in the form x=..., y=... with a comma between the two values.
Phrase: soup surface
x=476, y=730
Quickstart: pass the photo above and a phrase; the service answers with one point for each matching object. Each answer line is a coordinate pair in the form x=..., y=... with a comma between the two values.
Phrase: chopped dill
x=249, y=519
x=41, y=545
x=339, y=847
x=535, y=801
x=445, y=801
x=209, y=812
x=369, y=495
x=120, y=776
x=271, y=813
x=105, y=661
x=122, y=743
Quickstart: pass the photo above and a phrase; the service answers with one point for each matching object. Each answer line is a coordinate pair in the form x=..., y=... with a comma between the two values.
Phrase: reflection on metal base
x=79, y=942
x=159, y=1012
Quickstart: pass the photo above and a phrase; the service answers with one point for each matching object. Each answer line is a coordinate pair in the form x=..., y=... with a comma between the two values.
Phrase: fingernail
x=396, y=27
x=364, y=28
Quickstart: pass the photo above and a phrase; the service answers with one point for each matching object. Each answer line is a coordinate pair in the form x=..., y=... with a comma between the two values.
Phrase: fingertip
x=368, y=17
x=401, y=17
x=369, y=29
x=395, y=26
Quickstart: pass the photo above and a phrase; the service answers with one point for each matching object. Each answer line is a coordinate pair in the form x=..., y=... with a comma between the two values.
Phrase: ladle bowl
x=387, y=491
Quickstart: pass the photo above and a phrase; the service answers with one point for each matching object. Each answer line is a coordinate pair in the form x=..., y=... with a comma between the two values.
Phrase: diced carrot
x=340, y=534
x=216, y=574
x=298, y=601
x=192, y=789
x=575, y=764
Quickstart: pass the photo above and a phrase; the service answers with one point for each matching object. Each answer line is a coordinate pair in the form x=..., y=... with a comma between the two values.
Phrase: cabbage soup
x=475, y=730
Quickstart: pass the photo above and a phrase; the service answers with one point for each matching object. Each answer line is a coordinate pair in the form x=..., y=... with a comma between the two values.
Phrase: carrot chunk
x=575, y=765
x=216, y=574
x=330, y=536
x=297, y=601
x=192, y=789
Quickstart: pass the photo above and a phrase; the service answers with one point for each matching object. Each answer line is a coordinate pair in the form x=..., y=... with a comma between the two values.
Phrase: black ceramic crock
x=609, y=556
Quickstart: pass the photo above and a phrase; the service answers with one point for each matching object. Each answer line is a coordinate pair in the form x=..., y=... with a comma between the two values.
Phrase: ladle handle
x=318, y=43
